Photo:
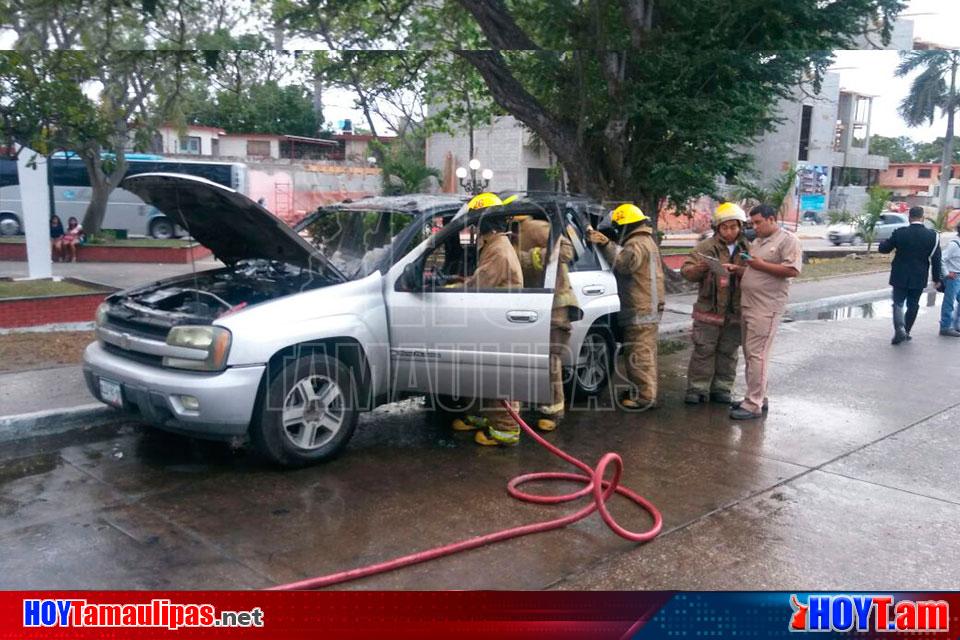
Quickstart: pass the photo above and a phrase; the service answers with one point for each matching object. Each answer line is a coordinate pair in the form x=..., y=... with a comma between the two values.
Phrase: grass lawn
x=23, y=351
x=31, y=288
x=129, y=242
x=826, y=267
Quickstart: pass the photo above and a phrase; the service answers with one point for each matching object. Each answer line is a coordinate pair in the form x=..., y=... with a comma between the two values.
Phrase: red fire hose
x=600, y=489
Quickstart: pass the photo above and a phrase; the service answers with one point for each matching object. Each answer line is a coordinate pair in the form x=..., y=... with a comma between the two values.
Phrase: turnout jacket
x=639, y=274
x=498, y=266
x=533, y=237
x=717, y=296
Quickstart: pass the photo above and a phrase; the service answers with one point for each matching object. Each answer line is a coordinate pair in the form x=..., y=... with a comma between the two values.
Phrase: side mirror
x=411, y=279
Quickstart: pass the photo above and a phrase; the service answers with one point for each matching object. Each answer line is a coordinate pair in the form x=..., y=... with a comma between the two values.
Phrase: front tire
x=309, y=412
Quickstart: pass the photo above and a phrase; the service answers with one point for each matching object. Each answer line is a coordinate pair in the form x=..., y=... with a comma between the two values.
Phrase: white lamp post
x=474, y=185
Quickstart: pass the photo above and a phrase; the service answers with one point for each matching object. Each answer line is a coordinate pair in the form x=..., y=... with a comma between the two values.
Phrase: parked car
x=849, y=233
x=297, y=334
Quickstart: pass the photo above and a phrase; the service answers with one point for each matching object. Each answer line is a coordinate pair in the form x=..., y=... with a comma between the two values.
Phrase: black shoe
x=743, y=414
x=694, y=397
x=736, y=404
x=900, y=336
x=721, y=397
x=950, y=332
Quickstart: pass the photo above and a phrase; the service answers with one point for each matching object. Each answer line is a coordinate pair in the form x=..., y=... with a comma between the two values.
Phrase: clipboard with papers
x=715, y=265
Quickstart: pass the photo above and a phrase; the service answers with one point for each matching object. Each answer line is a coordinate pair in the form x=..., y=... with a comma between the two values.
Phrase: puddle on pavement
x=882, y=308
x=29, y=466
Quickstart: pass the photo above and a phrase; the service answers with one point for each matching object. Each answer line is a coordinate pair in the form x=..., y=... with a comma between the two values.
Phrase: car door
x=467, y=343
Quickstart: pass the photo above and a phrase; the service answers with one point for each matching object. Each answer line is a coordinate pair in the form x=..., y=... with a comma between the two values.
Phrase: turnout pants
x=559, y=344
x=713, y=363
x=640, y=358
x=758, y=328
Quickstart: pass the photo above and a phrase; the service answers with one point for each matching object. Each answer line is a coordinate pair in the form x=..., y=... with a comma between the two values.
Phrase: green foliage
x=775, y=193
x=933, y=151
x=261, y=108
x=403, y=171
x=838, y=216
x=873, y=211
x=899, y=149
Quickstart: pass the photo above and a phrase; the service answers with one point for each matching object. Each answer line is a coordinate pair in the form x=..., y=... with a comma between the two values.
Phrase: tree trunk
x=946, y=164
x=101, y=186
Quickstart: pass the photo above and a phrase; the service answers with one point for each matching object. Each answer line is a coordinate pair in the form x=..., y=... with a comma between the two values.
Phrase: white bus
x=71, y=192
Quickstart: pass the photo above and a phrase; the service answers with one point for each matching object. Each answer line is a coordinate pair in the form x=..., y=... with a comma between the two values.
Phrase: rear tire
x=161, y=229
x=309, y=412
x=10, y=225
x=597, y=353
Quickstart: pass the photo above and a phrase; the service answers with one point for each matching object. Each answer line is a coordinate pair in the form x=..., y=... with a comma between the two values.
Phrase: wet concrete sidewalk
x=848, y=482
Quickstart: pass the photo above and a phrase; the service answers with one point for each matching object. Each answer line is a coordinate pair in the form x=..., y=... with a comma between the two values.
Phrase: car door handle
x=522, y=316
x=593, y=290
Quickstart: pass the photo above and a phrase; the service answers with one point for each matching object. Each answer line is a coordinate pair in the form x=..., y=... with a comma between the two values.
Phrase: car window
x=586, y=253
x=456, y=254
x=356, y=240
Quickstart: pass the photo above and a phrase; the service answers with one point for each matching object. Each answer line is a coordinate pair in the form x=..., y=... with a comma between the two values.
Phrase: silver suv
x=299, y=332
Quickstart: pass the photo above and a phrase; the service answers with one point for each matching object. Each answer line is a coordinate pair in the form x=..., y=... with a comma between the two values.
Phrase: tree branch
x=639, y=17
x=559, y=135
x=498, y=25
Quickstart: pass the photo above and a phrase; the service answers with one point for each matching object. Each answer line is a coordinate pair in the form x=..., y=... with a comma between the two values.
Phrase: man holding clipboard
x=716, y=314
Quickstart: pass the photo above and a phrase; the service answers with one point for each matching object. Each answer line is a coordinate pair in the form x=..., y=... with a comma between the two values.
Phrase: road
x=850, y=481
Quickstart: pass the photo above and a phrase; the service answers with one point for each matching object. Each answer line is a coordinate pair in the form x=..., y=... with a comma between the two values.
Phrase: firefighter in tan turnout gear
x=716, y=313
x=498, y=267
x=640, y=284
x=532, y=238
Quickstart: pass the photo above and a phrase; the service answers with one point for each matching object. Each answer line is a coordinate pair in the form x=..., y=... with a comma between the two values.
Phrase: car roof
x=412, y=203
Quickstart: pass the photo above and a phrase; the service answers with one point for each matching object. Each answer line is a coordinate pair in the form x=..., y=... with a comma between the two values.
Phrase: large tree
x=899, y=149
x=934, y=88
x=640, y=100
x=94, y=104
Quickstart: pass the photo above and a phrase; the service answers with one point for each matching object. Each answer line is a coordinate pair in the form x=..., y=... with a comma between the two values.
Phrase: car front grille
x=136, y=356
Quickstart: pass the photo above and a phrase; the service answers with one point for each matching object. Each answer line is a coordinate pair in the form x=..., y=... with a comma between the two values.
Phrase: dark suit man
x=917, y=251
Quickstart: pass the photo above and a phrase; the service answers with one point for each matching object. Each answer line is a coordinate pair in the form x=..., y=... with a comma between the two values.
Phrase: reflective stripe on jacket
x=639, y=275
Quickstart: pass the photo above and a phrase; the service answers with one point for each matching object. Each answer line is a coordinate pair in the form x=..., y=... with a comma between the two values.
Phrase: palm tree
x=929, y=92
x=775, y=192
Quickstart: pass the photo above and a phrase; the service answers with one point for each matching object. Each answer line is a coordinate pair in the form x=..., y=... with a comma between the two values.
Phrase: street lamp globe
x=487, y=174
x=474, y=164
x=461, y=172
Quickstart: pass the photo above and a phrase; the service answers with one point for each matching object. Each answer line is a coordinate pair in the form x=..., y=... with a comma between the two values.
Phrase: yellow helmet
x=510, y=198
x=627, y=214
x=484, y=200
x=729, y=211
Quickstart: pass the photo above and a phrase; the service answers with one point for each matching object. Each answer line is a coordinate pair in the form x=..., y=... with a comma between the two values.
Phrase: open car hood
x=228, y=223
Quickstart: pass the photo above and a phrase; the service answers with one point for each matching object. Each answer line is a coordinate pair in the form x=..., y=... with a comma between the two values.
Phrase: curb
x=53, y=421
x=681, y=328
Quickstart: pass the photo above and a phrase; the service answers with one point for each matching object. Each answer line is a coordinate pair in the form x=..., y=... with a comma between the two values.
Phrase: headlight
x=214, y=340
x=100, y=318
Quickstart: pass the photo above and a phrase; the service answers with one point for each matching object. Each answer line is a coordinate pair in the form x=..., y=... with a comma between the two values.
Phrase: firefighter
x=498, y=267
x=636, y=265
x=531, y=239
x=716, y=313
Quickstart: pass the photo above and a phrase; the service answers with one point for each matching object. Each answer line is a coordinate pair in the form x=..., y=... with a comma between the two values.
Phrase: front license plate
x=110, y=392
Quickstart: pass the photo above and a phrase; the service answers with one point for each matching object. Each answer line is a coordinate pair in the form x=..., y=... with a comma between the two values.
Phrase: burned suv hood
x=228, y=223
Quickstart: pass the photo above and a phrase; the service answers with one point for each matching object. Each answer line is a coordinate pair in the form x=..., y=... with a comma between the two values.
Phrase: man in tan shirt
x=774, y=258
